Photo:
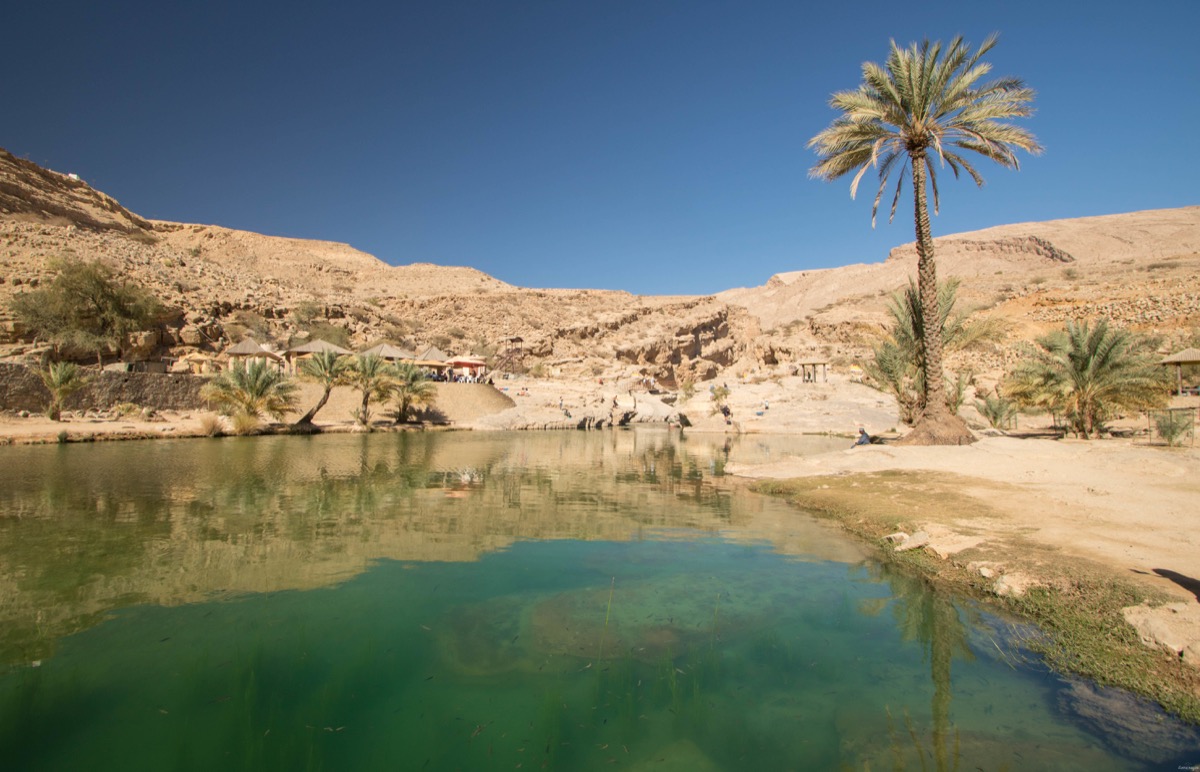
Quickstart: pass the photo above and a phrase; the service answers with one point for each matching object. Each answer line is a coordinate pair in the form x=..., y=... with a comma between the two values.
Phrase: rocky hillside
x=1140, y=269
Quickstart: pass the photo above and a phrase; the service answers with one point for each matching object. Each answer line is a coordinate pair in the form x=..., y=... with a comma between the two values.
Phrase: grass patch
x=1078, y=607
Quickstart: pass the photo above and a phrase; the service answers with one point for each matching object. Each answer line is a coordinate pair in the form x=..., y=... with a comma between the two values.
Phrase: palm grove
x=927, y=108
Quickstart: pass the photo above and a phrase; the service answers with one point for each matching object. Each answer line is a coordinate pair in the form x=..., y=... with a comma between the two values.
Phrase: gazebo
x=1189, y=356
x=295, y=354
x=807, y=369
x=250, y=349
x=389, y=352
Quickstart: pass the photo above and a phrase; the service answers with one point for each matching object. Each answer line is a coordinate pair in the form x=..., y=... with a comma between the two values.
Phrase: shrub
x=1173, y=425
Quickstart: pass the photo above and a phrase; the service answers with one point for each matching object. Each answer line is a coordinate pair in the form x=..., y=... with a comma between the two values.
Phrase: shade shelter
x=249, y=350
x=296, y=353
x=808, y=370
x=389, y=352
x=1189, y=356
x=470, y=366
x=433, y=354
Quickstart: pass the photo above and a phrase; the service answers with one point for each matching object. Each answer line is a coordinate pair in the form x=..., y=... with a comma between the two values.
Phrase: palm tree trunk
x=931, y=331
x=308, y=417
x=936, y=424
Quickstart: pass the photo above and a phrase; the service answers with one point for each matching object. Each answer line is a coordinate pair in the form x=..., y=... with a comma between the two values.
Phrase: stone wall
x=22, y=389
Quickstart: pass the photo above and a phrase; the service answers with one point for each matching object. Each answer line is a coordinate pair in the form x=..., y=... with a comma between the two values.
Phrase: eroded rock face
x=1142, y=270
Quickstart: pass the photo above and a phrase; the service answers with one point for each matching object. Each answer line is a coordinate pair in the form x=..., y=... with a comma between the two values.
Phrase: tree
x=62, y=379
x=372, y=376
x=899, y=365
x=329, y=369
x=247, y=392
x=925, y=105
x=86, y=308
x=1088, y=374
x=412, y=388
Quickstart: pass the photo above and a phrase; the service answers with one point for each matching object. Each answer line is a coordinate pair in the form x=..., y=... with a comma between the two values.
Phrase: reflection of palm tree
x=931, y=618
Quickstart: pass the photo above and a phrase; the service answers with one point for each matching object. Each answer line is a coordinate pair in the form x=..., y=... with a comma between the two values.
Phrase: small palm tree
x=1088, y=374
x=329, y=369
x=999, y=411
x=899, y=363
x=372, y=376
x=919, y=111
x=248, y=392
x=412, y=389
x=62, y=379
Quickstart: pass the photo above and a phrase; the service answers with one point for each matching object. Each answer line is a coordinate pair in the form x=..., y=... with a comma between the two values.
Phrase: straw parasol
x=250, y=348
x=1189, y=356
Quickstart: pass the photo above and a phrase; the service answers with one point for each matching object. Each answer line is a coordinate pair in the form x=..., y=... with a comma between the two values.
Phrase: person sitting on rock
x=863, y=438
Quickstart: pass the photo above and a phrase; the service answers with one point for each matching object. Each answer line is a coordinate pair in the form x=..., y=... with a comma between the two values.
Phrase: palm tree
x=412, y=388
x=1087, y=374
x=923, y=107
x=62, y=379
x=329, y=369
x=373, y=376
x=251, y=391
x=900, y=365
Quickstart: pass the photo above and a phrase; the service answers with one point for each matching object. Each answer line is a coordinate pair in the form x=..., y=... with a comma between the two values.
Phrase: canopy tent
x=1189, y=356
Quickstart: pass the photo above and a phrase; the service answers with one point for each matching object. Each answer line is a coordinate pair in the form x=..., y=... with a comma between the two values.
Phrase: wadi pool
x=444, y=601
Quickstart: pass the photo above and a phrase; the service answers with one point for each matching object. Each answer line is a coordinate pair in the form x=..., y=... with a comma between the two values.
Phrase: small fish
x=164, y=640
x=426, y=627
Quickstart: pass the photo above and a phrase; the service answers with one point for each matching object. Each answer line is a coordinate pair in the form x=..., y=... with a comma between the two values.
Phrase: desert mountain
x=1141, y=269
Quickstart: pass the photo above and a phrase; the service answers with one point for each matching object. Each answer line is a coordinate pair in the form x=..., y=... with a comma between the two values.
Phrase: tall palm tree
x=919, y=111
x=1087, y=374
x=372, y=376
x=251, y=391
x=412, y=388
x=329, y=369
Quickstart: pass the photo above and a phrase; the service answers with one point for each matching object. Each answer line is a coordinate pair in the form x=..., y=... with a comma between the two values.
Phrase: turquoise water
x=496, y=601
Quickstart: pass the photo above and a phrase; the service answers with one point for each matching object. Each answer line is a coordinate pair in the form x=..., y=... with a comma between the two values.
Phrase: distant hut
x=389, y=352
x=1189, y=356
x=297, y=353
x=249, y=350
x=433, y=359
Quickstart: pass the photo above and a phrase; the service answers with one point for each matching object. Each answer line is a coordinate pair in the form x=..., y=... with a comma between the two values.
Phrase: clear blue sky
x=656, y=146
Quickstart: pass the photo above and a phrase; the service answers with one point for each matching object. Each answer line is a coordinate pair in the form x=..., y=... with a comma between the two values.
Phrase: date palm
x=412, y=388
x=1087, y=374
x=62, y=379
x=373, y=377
x=899, y=356
x=921, y=111
x=251, y=391
x=328, y=368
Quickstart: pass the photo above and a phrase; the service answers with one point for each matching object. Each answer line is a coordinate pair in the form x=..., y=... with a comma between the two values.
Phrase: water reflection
x=86, y=529
x=531, y=599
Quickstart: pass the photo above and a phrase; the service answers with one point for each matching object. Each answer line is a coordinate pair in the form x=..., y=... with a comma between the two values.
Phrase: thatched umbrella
x=1189, y=356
